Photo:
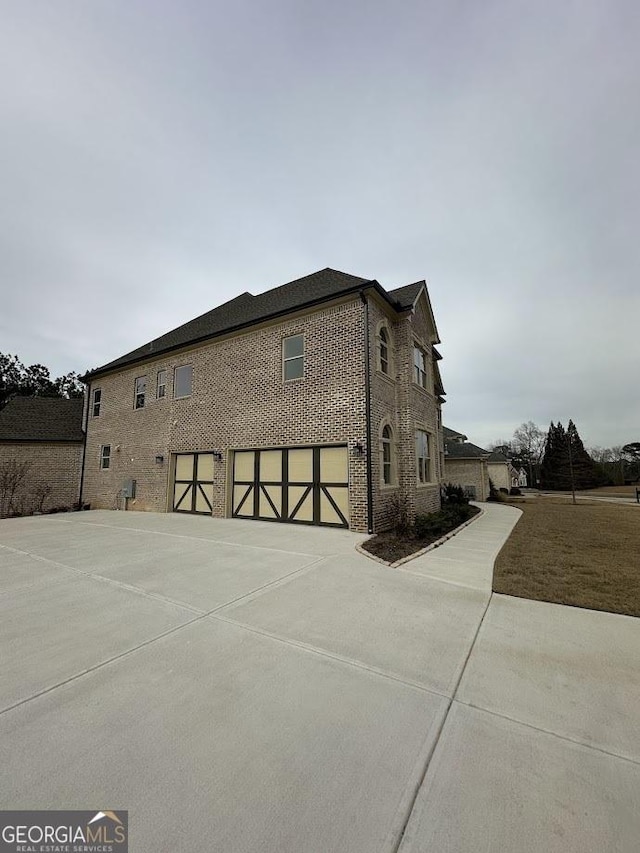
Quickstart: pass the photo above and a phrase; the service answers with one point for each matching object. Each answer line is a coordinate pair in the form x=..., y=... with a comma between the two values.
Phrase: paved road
x=245, y=686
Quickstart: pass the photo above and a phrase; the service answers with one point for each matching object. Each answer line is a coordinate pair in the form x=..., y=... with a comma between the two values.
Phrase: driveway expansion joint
x=315, y=650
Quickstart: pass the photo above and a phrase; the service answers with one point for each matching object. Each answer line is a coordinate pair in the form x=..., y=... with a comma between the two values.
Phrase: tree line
x=557, y=458
x=35, y=380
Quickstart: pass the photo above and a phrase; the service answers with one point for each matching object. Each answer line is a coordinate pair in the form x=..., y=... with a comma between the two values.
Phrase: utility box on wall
x=129, y=489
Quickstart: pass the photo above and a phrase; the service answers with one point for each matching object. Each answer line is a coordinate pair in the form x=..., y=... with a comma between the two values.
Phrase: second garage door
x=309, y=485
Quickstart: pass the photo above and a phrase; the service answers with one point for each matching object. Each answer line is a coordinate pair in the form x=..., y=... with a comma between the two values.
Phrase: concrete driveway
x=246, y=686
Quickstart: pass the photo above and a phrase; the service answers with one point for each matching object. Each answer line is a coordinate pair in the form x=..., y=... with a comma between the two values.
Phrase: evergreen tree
x=565, y=451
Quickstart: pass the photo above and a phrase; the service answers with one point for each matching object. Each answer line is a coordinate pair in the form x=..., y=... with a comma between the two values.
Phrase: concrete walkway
x=254, y=687
x=540, y=748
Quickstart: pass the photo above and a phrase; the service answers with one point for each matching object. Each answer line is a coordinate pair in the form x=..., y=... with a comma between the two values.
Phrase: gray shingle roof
x=496, y=456
x=406, y=296
x=41, y=419
x=450, y=434
x=467, y=450
x=244, y=310
x=247, y=309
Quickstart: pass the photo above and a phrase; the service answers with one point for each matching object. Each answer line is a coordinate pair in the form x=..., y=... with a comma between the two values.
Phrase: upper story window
x=141, y=391
x=293, y=357
x=383, y=349
x=105, y=456
x=419, y=367
x=386, y=442
x=183, y=381
x=161, y=384
x=97, y=399
x=423, y=456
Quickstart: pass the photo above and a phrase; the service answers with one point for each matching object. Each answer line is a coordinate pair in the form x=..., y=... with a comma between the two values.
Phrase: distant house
x=471, y=467
x=41, y=442
x=519, y=478
x=465, y=464
x=501, y=470
x=452, y=437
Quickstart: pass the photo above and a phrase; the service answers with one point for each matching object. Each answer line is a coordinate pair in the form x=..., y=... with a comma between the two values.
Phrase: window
x=419, y=367
x=384, y=350
x=141, y=390
x=293, y=357
x=183, y=381
x=161, y=384
x=387, y=456
x=105, y=456
x=423, y=456
x=97, y=399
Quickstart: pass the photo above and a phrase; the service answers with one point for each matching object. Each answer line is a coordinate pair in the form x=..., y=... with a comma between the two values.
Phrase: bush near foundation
x=395, y=544
x=436, y=524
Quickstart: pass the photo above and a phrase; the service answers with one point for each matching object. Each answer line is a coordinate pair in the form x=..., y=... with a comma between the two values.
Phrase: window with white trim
x=140, y=392
x=183, y=381
x=383, y=350
x=386, y=453
x=161, y=384
x=293, y=357
x=419, y=367
x=423, y=456
x=97, y=399
x=105, y=456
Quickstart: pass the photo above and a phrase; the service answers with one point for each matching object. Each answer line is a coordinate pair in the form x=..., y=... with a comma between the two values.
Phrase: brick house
x=465, y=464
x=471, y=467
x=315, y=402
x=41, y=442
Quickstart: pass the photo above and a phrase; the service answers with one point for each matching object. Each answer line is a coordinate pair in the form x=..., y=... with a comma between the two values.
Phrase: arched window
x=386, y=443
x=384, y=350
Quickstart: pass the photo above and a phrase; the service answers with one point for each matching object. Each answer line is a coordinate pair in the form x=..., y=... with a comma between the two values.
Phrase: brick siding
x=239, y=400
x=52, y=476
x=398, y=401
x=468, y=472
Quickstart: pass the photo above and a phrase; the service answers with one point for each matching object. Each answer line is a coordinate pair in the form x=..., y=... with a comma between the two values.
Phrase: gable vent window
x=419, y=367
x=293, y=357
x=141, y=390
x=183, y=381
x=97, y=399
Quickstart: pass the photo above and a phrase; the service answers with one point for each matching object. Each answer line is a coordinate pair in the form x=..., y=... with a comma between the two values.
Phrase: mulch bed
x=392, y=546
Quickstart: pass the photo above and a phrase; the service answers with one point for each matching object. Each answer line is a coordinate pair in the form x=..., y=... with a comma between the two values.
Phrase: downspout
x=84, y=442
x=367, y=390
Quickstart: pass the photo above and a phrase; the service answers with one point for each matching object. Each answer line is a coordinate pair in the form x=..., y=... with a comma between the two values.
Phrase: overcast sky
x=158, y=158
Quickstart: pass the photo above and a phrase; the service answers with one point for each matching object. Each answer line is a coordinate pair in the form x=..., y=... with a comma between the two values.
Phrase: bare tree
x=40, y=495
x=12, y=476
x=529, y=441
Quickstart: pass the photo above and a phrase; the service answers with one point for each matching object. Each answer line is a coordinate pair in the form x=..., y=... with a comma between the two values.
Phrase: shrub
x=436, y=524
x=400, y=512
x=494, y=494
x=453, y=494
x=515, y=491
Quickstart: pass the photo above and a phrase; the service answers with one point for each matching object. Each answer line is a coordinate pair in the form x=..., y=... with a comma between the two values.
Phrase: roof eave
x=367, y=285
